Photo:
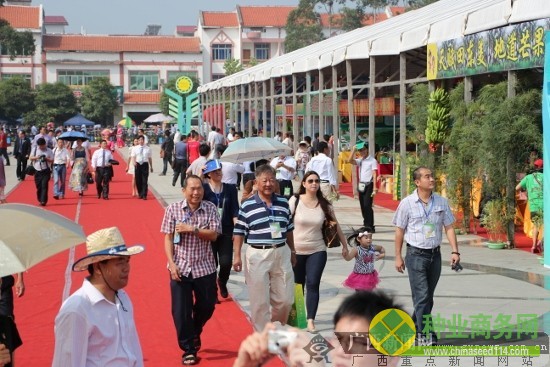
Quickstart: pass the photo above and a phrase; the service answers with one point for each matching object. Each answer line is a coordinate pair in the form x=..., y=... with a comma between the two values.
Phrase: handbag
x=30, y=170
x=361, y=187
x=89, y=178
x=330, y=234
x=114, y=162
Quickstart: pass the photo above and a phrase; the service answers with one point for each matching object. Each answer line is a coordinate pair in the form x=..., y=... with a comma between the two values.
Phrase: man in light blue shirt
x=420, y=220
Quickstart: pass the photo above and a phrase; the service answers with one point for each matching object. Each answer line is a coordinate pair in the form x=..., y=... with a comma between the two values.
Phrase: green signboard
x=519, y=46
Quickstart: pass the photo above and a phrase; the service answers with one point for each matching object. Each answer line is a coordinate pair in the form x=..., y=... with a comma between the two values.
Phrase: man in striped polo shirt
x=264, y=219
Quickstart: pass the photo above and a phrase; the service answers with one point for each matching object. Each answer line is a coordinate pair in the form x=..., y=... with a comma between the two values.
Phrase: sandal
x=189, y=360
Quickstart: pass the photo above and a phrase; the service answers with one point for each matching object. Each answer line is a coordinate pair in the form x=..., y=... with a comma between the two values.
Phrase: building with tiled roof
x=186, y=30
x=23, y=17
x=264, y=16
x=138, y=65
x=256, y=33
x=218, y=19
x=55, y=24
x=157, y=44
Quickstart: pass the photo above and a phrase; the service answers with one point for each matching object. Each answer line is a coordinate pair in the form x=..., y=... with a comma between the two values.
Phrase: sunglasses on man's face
x=311, y=180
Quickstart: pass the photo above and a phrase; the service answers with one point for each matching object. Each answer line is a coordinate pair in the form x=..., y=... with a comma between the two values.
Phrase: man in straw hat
x=95, y=325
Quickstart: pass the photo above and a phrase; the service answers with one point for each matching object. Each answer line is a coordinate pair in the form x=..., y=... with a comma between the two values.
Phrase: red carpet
x=139, y=222
x=386, y=201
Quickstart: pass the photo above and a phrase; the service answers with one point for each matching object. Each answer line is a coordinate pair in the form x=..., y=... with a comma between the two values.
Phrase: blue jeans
x=308, y=271
x=59, y=175
x=424, y=269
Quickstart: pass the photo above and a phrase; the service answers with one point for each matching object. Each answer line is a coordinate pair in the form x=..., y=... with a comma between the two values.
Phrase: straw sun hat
x=105, y=244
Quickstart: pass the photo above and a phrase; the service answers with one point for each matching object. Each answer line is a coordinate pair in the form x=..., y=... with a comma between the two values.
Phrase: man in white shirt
x=230, y=137
x=41, y=158
x=286, y=169
x=144, y=162
x=60, y=165
x=195, y=168
x=211, y=138
x=368, y=169
x=95, y=326
x=141, y=132
x=101, y=166
x=323, y=166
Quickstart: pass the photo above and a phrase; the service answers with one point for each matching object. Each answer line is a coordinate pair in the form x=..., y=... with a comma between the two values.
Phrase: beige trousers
x=270, y=281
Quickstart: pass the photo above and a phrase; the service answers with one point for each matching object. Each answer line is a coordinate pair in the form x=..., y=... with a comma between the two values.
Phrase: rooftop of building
x=22, y=17
x=55, y=20
x=104, y=43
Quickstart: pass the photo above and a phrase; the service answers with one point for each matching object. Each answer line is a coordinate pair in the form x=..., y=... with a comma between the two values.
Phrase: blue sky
x=132, y=16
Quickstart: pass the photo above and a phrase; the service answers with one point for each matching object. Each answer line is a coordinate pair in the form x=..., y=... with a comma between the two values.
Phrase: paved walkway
x=493, y=282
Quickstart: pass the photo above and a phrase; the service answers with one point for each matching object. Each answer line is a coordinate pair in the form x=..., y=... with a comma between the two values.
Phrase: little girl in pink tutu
x=364, y=277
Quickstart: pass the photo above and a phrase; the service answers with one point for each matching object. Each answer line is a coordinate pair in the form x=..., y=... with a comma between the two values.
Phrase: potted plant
x=495, y=220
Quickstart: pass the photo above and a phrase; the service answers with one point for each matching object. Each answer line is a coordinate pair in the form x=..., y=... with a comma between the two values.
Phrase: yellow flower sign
x=519, y=46
x=184, y=84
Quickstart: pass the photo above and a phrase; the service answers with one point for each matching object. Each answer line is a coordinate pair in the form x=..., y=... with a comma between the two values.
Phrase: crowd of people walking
x=282, y=233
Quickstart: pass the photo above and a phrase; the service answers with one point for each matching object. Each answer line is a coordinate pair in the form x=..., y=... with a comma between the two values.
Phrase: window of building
x=4, y=51
x=80, y=77
x=217, y=76
x=221, y=51
x=26, y=77
x=176, y=74
x=144, y=80
x=261, y=51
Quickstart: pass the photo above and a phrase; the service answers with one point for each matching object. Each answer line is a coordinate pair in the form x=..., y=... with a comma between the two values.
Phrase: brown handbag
x=330, y=234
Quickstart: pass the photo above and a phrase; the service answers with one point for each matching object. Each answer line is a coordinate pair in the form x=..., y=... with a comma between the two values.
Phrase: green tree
x=417, y=110
x=17, y=43
x=302, y=26
x=509, y=128
x=171, y=84
x=16, y=97
x=53, y=102
x=416, y=4
x=232, y=66
x=98, y=102
x=352, y=18
x=462, y=164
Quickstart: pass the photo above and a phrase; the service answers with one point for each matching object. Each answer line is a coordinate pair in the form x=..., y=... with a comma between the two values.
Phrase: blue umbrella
x=73, y=136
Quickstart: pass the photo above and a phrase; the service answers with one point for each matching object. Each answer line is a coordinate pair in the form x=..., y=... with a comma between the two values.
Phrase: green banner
x=519, y=46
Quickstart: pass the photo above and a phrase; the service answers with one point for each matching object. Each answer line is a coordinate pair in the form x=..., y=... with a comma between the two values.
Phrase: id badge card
x=429, y=230
x=275, y=230
x=286, y=191
x=220, y=212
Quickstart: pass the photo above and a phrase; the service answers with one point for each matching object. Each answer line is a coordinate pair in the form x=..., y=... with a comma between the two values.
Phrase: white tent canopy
x=443, y=20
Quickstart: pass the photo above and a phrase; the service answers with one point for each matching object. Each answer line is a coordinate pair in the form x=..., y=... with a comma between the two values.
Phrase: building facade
x=138, y=65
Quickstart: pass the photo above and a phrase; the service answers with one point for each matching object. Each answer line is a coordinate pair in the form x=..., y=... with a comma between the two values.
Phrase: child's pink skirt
x=362, y=282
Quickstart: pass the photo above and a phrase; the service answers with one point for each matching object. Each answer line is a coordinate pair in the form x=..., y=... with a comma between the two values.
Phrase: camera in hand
x=42, y=158
x=457, y=267
x=279, y=340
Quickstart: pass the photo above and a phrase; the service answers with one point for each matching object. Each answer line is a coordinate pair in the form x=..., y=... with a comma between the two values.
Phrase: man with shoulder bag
x=368, y=173
x=41, y=158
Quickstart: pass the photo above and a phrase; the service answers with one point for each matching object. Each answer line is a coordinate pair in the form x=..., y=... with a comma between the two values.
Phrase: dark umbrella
x=73, y=136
